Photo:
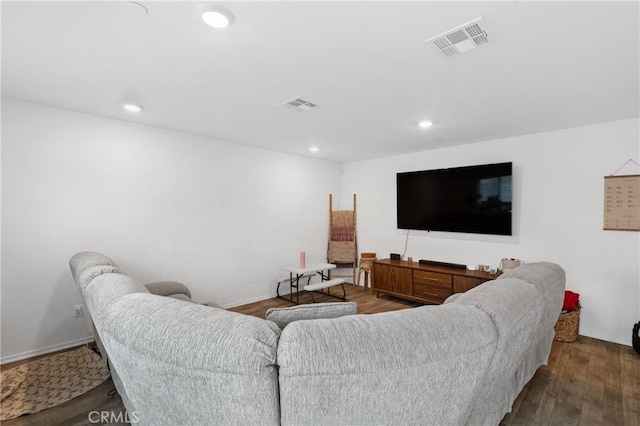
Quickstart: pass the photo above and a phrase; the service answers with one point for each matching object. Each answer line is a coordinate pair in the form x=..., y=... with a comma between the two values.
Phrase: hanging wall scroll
x=622, y=203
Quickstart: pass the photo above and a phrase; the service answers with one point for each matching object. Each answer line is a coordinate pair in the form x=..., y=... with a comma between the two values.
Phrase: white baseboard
x=44, y=351
x=252, y=300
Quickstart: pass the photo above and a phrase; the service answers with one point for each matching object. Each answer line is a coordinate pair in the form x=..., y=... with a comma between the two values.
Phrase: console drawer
x=431, y=293
x=433, y=279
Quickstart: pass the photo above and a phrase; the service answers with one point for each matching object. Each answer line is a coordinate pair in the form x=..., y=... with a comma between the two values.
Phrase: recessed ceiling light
x=217, y=18
x=132, y=107
x=314, y=149
x=425, y=124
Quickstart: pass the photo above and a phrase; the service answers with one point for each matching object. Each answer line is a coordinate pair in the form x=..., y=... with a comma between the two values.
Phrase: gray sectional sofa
x=463, y=362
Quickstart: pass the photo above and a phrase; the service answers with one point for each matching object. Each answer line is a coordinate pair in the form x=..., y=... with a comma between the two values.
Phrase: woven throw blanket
x=49, y=381
x=342, y=233
x=341, y=252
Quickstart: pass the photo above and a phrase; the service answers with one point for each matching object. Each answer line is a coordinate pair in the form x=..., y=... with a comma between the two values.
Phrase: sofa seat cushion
x=283, y=316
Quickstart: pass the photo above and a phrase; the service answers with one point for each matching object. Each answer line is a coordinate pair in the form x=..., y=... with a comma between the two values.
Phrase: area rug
x=50, y=381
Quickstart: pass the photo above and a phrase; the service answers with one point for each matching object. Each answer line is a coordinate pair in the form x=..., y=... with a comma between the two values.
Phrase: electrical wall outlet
x=78, y=311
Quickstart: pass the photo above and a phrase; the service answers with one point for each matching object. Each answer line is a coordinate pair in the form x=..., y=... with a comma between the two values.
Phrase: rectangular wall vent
x=461, y=39
x=299, y=104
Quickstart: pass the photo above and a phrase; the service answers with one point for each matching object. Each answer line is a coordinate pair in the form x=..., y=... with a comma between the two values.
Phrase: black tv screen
x=475, y=199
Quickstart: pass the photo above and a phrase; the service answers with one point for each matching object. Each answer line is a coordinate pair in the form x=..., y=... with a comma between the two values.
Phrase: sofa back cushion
x=549, y=279
x=183, y=363
x=516, y=309
x=88, y=274
x=82, y=261
x=105, y=289
x=402, y=367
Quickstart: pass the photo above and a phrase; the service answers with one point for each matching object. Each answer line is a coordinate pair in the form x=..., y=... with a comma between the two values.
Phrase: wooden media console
x=423, y=283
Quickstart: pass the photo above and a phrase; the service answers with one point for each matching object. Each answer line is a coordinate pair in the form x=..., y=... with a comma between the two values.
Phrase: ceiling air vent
x=461, y=39
x=299, y=104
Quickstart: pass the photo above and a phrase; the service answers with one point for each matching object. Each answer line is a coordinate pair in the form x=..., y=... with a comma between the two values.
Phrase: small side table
x=295, y=274
x=366, y=266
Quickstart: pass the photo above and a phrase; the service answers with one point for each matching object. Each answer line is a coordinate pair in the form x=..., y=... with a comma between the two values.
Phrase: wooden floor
x=367, y=304
x=587, y=382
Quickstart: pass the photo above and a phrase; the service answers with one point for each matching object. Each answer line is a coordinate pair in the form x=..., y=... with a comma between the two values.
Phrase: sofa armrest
x=283, y=316
x=168, y=288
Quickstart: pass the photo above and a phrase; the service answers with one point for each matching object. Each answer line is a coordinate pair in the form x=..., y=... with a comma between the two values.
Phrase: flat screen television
x=474, y=199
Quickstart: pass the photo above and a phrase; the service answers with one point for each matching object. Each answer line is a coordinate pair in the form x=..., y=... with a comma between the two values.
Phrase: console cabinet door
x=381, y=277
x=400, y=279
x=462, y=284
x=391, y=278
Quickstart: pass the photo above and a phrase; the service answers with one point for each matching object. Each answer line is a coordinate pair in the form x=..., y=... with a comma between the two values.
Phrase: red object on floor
x=571, y=301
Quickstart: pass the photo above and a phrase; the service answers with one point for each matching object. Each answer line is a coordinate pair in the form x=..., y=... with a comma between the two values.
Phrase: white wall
x=558, y=215
x=223, y=218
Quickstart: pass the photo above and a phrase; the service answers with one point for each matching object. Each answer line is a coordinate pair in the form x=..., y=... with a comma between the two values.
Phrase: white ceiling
x=549, y=65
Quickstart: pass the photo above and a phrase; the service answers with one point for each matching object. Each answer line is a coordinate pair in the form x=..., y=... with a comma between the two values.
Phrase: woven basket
x=567, y=326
